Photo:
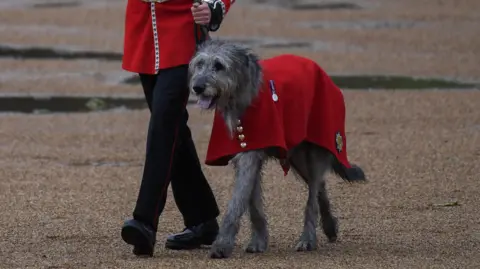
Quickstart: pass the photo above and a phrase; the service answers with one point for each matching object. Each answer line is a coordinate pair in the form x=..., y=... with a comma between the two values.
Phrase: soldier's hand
x=201, y=13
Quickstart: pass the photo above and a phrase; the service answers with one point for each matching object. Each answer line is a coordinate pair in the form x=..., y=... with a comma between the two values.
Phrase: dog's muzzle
x=199, y=85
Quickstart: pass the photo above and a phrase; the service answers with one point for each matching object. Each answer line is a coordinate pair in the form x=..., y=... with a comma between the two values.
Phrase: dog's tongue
x=204, y=102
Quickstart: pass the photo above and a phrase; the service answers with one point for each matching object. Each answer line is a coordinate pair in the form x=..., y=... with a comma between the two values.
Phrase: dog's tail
x=355, y=173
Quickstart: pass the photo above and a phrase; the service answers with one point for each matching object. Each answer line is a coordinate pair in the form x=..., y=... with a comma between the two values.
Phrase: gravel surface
x=69, y=181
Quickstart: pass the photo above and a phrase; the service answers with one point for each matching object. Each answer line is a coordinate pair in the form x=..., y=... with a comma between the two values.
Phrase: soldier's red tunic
x=309, y=107
x=159, y=35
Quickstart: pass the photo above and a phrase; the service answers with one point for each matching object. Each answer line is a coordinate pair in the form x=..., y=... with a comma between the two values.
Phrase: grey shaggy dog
x=228, y=77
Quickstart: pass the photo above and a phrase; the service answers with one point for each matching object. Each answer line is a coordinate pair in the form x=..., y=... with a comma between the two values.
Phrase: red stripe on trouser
x=167, y=180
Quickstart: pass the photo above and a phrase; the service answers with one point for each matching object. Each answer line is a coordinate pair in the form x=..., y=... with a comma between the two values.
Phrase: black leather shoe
x=194, y=237
x=140, y=236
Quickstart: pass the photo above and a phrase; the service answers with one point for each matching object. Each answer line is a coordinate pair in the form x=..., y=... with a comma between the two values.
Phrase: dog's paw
x=256, y=246
x=308, y=240
x=221, y=251
x=306, y=245
x=330, y=228
x=258, y=242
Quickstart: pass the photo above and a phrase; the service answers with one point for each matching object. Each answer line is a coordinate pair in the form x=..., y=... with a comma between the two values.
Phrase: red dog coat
x=298, y=101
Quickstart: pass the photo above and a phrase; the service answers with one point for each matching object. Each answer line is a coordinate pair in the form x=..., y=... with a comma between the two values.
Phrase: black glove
x=217, y=10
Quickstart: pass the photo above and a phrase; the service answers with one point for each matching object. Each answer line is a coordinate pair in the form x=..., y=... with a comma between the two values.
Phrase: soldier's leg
x=190, y=188
x=148, y=84
x=167, y=107
x=193, y=196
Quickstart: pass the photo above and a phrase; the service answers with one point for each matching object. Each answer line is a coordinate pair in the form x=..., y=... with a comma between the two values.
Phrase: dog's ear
x=247, y=60
x=250, y=58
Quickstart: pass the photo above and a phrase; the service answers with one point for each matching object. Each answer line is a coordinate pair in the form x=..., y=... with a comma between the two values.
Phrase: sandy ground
x=68, y=182
x=411, y=37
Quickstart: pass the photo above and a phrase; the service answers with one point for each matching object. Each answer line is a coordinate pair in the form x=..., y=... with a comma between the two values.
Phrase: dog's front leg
x=259, y=239
x=248, y=166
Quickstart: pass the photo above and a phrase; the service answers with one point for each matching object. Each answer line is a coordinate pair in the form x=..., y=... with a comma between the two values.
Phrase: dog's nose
x=198, y=89
x=199, y=84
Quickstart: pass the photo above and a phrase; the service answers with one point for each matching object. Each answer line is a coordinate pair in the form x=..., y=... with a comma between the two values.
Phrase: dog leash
x=203, y=36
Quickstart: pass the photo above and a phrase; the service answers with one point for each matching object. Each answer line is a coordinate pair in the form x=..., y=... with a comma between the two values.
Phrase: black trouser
x=171, y=154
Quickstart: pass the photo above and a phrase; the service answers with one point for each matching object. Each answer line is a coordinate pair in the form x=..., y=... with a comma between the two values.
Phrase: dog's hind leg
x=259, y=238
x=305, y=161
x=248, y=167
x=301, y=164
x=329, y=222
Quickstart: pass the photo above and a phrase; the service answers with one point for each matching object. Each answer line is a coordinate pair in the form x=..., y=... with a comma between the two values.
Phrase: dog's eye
x=218, y=66
x=199, y=64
